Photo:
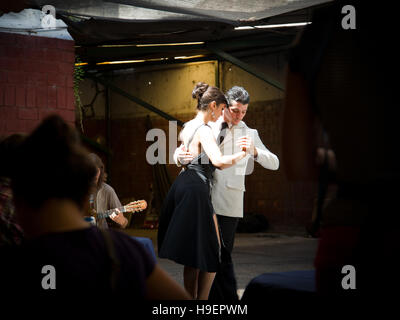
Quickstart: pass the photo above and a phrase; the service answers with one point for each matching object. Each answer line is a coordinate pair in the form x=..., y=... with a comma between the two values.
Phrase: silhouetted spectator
x=340, y=77
x=63, y=256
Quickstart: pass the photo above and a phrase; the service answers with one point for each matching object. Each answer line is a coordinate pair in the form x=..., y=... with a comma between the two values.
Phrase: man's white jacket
x=228, y=185
x=228, y=188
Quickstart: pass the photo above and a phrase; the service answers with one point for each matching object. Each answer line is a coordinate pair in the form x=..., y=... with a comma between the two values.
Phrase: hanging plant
x=78, y=78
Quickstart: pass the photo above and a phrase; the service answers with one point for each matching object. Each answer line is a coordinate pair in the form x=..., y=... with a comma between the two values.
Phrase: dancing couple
x=189, y=231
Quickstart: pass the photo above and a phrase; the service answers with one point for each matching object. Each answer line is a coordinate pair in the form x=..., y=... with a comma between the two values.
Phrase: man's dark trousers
x=224, y=287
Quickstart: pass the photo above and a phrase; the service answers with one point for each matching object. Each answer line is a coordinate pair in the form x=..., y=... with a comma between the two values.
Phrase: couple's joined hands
x=245, y=143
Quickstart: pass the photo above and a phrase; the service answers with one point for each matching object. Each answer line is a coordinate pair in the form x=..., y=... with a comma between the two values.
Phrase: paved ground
x=254, y=254
x=257, y=254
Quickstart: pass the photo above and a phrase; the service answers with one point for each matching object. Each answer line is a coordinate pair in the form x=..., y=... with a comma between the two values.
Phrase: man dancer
x=228, y=187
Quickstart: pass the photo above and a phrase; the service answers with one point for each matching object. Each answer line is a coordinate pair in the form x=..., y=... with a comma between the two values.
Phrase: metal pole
x=108, y=131
x=137, y=100
x=217, y=83
x=246, y=67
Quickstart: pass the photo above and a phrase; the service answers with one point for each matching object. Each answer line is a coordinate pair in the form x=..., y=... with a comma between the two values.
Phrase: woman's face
x=218, y=111
x=97, y=176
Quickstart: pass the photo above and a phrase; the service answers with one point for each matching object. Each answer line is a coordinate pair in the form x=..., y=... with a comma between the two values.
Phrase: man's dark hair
x=238, y=94
x=51, y=164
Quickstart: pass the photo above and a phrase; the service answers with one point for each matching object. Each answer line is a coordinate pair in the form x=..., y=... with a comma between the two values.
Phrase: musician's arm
x=119, y=218
x=113, y=202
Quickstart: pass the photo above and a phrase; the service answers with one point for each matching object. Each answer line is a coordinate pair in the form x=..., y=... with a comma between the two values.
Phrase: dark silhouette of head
x=52, y=164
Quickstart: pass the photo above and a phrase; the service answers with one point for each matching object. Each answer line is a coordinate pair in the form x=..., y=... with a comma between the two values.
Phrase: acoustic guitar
x=135, y=206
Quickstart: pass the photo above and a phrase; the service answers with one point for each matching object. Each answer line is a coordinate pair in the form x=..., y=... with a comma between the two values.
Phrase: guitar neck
x=101, y=215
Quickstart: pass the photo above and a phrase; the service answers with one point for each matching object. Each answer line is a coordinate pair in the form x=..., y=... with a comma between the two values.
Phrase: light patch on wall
x=167, y=88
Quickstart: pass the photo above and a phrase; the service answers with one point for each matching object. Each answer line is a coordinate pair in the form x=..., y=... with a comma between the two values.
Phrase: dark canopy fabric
x=222, y=10
x=109, y=35
x=99, y=31
x=143, y=21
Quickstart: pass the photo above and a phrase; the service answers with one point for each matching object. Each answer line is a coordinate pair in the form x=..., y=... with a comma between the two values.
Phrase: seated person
x=64, y=257
x=105, y=197
x=10, y=231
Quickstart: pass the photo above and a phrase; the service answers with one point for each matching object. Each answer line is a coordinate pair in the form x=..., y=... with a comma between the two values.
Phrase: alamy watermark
x=349, y=280
x=349, y=20
x=49, y=280
x=48, y=17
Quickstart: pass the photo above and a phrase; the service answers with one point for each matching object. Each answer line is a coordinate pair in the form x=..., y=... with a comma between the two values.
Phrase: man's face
x=96, y=179
x=237, y=111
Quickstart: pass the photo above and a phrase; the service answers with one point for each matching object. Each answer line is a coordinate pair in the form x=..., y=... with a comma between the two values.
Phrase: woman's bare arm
x=213, y=152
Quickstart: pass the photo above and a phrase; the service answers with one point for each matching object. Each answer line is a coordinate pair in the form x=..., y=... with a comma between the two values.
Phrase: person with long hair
x=105, y=198
x=188, y=229
x=63, y=256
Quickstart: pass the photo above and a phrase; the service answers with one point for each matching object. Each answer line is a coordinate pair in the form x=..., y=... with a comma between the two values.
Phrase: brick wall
x=36, y=79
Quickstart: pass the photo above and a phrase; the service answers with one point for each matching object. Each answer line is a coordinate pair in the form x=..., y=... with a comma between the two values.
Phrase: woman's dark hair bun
x=206, y=94
x=199, y=90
